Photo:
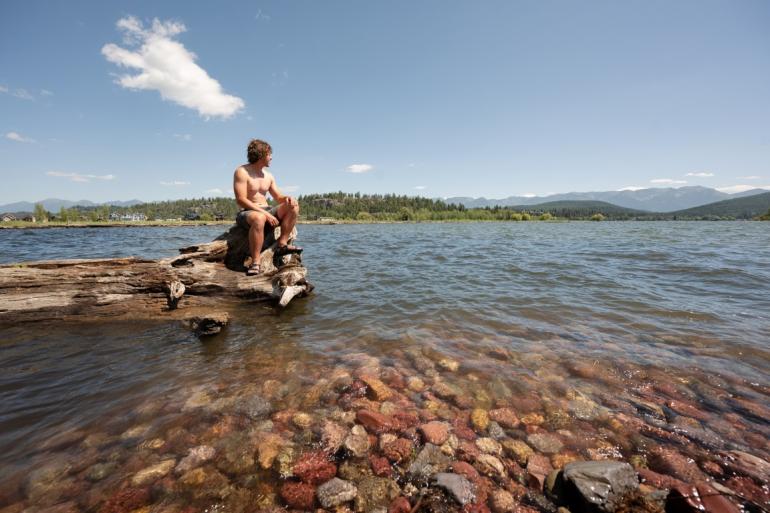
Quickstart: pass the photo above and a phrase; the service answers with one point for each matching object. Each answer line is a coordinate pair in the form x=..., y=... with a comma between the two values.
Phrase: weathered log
x=186, y=286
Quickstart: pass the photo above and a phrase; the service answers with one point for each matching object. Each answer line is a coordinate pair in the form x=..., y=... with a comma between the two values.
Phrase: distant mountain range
x=745, y=207
x=54, y=204
x=654, y=199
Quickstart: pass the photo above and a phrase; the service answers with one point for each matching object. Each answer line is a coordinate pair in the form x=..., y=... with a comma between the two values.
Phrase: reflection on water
x=607, y=340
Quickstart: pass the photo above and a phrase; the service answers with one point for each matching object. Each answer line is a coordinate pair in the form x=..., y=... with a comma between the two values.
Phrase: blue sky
x=157, y=100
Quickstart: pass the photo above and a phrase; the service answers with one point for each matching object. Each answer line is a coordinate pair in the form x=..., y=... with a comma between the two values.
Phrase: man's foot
x=286, y=249
x=254, y=270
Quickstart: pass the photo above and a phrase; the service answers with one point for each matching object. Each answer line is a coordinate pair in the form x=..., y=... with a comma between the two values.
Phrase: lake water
x=620, y=340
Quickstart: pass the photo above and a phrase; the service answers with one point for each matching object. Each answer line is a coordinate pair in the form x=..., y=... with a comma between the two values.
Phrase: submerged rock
x=195, y=457
x=600, y=485
x=435, y=432
x=458, y=487
x=429, y=461
x=298, y=495
x=153, y=473
x=315, y=468
x=335, y=492
x=374, y=493
x=545, y=443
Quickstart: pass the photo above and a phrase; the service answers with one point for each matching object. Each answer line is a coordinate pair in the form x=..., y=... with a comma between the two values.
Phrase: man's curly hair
x=258, y=149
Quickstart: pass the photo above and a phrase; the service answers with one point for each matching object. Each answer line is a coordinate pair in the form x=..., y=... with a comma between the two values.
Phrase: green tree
x=41, y=216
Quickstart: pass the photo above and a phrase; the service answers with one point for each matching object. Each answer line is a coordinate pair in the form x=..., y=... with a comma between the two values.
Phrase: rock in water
x=335, y=492
x=457, y=486
x=210, y=324
x=430, y=461
x=600, y=485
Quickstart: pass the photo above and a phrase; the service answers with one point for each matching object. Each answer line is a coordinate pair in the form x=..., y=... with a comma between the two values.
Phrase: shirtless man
x=250, y=183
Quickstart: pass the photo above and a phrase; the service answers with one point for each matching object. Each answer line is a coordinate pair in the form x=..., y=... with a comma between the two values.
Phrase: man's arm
x=278, y=196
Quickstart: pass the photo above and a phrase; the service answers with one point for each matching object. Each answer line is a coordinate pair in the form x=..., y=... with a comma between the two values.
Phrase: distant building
x=8, y=217
x=129, y=216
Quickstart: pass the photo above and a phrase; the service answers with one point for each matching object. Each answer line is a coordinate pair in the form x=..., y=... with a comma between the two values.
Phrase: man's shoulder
x=241, y=170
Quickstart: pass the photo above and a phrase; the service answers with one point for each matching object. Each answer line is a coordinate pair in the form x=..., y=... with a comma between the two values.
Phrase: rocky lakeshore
x=417, y=430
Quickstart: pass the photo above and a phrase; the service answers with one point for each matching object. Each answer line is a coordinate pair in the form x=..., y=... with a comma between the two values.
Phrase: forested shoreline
x=341, y=206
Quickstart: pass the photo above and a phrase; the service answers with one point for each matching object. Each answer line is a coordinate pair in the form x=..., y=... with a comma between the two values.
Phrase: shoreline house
x=8, y=217
x=128, y=216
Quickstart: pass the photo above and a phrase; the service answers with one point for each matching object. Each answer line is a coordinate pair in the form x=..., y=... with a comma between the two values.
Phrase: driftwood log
x=198, y=285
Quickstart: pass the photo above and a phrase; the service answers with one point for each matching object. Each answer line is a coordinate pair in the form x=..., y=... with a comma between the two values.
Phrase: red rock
x=374, y=421
x=380, y=466
x=687, y=410
x=658, y=480
x=298, y=495
x=749, y=489
x=669, y=461
x=465, y=469
x=467, y=451
x=703, y=498
x=476, y=507
x=506, y=417
x=538, y=467
x=314, y=468
x=126, y=500
x=435, y=432
x=399, y=450
x=400, y=505
x=427, y=415
x=461, y=429
x=406, y=419
x=712, y=468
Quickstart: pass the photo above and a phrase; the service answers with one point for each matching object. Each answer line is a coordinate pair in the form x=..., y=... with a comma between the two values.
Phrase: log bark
x=205, y=279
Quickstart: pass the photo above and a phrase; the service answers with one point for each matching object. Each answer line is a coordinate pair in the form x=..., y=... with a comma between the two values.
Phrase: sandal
x=254, y=270
x=286, y=249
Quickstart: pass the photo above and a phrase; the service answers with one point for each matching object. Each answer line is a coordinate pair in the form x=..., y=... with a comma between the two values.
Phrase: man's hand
x=272, y=220
x=291, y=201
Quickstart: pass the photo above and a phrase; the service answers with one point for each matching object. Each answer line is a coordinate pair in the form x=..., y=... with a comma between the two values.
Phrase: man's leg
x=287, y=214
x=256, y=235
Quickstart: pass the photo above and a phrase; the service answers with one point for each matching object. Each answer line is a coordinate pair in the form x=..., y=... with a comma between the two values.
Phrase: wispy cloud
x=214, y=191
x=15, y=136
x=733, y=189
x=23, y=94
x=168, y=67
x=183, y=137
x=262, y=16
x=420, y=187
x=529, y=195
x=360, y=168
x=700, y=174
x=290, y=188
x=632, y=188
x=45, y=92
x=78, y=177
x=667, y=181
x=3, y=88
x=175, y=183
x=750, y=177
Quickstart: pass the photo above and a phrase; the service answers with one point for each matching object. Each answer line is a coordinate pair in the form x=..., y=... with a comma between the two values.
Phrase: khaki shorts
x=242, y=218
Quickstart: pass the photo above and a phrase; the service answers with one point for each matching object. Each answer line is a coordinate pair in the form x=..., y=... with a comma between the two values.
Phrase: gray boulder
x=429, y=461
x=335, y=492
x=457, y=486
x=598, y=485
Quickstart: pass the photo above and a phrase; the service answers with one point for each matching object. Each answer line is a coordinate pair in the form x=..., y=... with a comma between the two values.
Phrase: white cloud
x=215, y=191
x=360, y=168
x=420, y=187
x=668, y=181
x=700, y=174
x=290, y=188
x=183, y=137
x=3, y=88
x=632, y=188
x=77, y=177
x=168, y=67
x=733, y=189
x=529, y=195
x=23, y=94
x=750, y=177
x=175, y=183
x=45, y=92
x=15, y=136
x=262, y=16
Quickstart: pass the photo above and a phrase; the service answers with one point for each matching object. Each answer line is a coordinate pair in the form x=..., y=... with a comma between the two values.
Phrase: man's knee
x=257, y=220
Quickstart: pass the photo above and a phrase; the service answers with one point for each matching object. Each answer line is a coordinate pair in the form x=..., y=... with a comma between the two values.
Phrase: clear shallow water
x=544, y=313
